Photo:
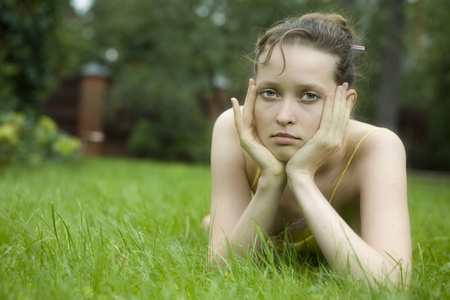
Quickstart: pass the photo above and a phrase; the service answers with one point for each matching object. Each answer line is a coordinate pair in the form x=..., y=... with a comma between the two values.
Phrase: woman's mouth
x=284, y=138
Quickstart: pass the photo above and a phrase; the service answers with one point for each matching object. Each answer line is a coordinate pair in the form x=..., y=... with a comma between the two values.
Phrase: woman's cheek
x=314, y=113
x=311, y=122
x=262, y=131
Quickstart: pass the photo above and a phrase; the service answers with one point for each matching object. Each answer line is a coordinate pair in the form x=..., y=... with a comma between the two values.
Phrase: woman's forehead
x=297, y=61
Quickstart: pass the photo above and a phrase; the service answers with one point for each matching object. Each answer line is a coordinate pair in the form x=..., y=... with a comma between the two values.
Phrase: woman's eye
x=268, y=94
x=309, y=97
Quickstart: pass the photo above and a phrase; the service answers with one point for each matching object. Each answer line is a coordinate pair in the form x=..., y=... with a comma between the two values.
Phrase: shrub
x=29, y=140
x=142, y=140
x=160, y=122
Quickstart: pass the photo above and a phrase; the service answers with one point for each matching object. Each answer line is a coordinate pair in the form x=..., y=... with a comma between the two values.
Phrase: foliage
x=425, y=81
x=436, y=80
x=169, y=56
x=25, y=140
x=31, y=59
x=29, y=52
x=133, y=232
x=161, y=123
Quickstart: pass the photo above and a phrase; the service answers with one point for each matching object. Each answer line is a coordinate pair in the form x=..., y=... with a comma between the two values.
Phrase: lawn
x=129, y=229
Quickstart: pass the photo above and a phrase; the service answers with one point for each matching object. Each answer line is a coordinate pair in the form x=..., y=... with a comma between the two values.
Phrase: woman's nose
x=285, y=113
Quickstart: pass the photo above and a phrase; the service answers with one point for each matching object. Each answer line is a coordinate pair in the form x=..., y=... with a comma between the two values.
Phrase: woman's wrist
x=296, y=177
x=272, y=181
x=299, y=175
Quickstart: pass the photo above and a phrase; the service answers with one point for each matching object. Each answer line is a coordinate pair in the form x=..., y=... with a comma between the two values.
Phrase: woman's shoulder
x=377, y=147
x=373, y=137
x=224, y=130
x=226, y=144
x=225, y=119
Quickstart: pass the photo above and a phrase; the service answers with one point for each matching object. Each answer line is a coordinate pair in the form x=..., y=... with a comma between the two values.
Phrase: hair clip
x=358, y=47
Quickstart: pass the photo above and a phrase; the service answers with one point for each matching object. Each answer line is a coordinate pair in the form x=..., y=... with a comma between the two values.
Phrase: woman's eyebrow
x=310, y=86
x=267, y=82
x=302, y=85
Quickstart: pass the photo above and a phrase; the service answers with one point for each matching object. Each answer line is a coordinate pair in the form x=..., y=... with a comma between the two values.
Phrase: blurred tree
x=28, y=52
x=33, y=45
x=391, y=65
x=435, y=80
x=170, y=54
x=424, y=82
x=165, y=55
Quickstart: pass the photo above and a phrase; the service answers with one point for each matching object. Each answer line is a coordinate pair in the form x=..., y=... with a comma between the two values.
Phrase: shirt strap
x=350, y=160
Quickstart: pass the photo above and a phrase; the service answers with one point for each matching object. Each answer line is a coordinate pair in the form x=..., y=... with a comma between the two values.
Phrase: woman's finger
x=325, y=122
x=238, y=121
x=339, y=109
x=341, y=115
x=249, y=104
x=350, y=98
x=249, y=142
x=245, y=133
x=248, y=138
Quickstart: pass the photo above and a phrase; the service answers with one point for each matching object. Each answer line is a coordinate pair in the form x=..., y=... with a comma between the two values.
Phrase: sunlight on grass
x=114, y=228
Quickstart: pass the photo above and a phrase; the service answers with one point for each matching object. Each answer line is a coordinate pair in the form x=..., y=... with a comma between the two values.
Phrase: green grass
x=65, y=227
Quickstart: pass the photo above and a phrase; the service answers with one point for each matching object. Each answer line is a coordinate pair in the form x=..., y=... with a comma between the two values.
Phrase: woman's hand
x=329, y=136
x=268, y=164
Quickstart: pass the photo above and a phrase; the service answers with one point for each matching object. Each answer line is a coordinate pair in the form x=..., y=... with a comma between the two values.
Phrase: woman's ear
x=352, y=96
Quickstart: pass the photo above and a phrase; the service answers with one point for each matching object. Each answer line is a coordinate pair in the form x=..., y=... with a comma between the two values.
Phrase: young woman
x=293, y=165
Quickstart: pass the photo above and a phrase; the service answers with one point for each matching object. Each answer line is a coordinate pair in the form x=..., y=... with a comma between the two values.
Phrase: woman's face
x=289, y=104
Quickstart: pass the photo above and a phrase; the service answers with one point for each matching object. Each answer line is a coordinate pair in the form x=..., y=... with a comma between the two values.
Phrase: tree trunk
x=389, y=90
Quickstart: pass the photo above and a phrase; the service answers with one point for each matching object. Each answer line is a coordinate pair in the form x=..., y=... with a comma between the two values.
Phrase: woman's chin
x=283, y=156
x=283, y=152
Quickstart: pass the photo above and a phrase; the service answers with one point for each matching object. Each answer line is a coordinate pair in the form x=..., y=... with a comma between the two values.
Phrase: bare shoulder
x=226, y=149
x=225, y=118
x=228, y=160
x=377, y=139
x=381, y=153
x=225, y=137
x=224, y=131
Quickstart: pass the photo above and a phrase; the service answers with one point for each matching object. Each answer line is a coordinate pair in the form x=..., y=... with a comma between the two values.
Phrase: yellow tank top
x=298, y=236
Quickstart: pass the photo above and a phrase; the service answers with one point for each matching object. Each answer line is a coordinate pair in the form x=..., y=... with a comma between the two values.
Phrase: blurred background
x=148, y=78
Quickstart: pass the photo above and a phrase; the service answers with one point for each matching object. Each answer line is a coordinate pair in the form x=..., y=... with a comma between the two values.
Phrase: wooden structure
x=77, y=107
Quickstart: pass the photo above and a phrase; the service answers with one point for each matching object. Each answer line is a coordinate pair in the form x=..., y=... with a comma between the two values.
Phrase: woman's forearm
x=258, y=217
x=341, y=246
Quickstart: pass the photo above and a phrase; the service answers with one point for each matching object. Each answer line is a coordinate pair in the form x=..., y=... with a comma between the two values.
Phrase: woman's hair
x=324, y=32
